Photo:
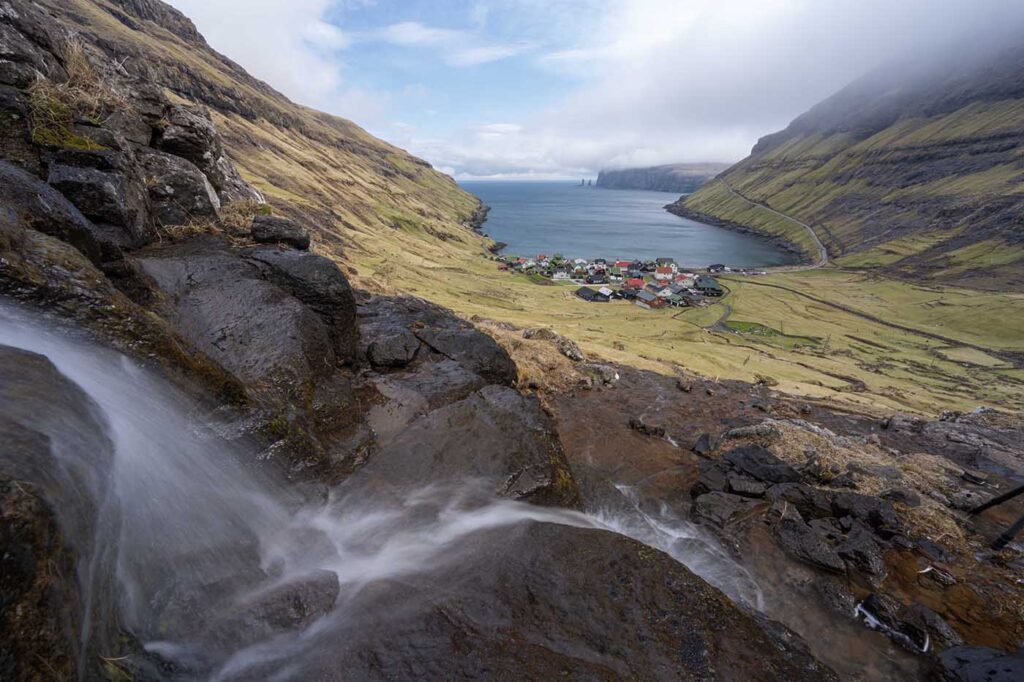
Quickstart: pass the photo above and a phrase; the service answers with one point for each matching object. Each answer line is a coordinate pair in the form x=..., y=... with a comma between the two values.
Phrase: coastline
x=802, y=257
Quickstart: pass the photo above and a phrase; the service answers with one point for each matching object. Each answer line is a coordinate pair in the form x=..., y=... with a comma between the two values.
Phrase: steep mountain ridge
x=674, y=177
x=915, y=169
x=307, y=163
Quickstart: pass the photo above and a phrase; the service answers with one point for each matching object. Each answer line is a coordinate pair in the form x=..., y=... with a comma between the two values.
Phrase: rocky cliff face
x=124, y=217
x=681, y=178
x=913, y=169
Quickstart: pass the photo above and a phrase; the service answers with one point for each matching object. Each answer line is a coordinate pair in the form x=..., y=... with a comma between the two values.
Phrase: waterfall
x=223, y=571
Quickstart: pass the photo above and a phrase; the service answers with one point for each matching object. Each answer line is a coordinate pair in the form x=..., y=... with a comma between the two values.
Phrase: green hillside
x=916, y=171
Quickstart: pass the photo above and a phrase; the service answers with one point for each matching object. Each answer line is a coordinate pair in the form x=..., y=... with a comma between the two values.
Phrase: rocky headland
x=681, y=178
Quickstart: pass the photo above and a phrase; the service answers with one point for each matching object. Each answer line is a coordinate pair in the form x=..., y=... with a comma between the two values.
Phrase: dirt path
x=719, y=324
x=822, y=260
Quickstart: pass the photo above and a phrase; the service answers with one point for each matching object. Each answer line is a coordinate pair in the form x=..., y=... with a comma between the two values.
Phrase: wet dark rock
x=42, y=208
x=807, y=545
x=903, y=496
x=836, y=596
x=712, y=478
x=935, y=551
x=269, y=229
x=722, y=509
x=38, y=403
x=178, y=191
x=15, y=136
x=439, y=382
x=394, y=349
x=265, y=336
x=884, y=609
x=496, y=435
x=639, y=425
x=107, y=189
x=704, y=445
x=924, y=627
x=510, y=610
x=980, y=664
x=40, y=615
x=811, y=502
x=873, y=511
x=475, y=351
x=863, y=553
x=741, y=485
x=48, y=514
x=757, y=462
x=286, y=608
x=320, y=285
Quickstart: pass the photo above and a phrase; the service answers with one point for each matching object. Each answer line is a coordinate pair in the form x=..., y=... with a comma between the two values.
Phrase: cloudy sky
x=562, y=88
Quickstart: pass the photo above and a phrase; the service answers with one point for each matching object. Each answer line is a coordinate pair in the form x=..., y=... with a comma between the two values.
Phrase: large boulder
x=189, y=132
x=474, y=350
x=270, y=229
x=179, y=192
x=41, y=207
x=539, y=601
x=268, y=338
x=496, y=435
x=759, y=463
x=55, y=464
x=320, y=285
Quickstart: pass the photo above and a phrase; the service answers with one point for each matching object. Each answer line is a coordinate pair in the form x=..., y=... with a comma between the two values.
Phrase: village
x=651, y=284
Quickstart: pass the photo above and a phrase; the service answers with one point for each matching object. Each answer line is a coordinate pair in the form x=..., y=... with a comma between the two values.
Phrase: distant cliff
x=681, y=178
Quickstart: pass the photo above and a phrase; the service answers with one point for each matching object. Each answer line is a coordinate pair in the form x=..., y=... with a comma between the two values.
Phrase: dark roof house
x=709, y=286
x=591, y=295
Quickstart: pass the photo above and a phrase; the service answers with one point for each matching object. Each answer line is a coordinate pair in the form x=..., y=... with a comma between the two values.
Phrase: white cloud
x=701, y=80
x=655, y=80
x=291, y=45
x=457, y=48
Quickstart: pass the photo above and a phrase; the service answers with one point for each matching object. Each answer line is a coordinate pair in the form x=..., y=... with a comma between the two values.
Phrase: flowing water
x=590, y=222
x=199, y=545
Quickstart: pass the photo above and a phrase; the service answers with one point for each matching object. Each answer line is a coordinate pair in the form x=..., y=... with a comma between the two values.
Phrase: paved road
x=822, y=260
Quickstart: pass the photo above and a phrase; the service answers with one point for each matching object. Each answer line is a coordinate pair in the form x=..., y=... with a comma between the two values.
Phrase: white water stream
x=192, y=533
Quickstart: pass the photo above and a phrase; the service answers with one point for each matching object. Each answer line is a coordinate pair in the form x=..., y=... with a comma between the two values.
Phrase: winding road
x=822, y=259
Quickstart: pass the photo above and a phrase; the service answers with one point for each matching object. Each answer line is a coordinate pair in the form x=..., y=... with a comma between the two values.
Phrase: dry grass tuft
x=55, y=107
x=233, y=221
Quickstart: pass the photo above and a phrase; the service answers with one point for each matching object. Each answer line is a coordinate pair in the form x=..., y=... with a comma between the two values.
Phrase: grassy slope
x=396, y=225
x=911, y=199
x=369, y=203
